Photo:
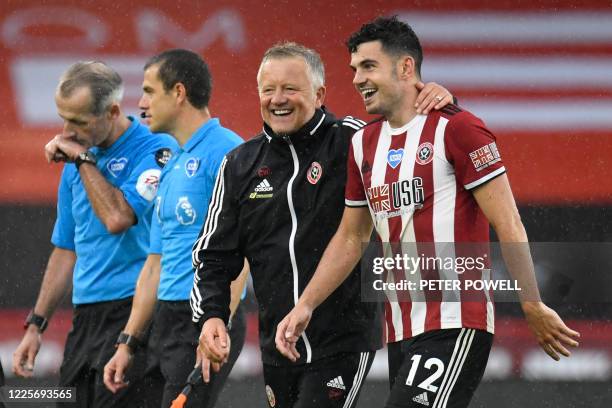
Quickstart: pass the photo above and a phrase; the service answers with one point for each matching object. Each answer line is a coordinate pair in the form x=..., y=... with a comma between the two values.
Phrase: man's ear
x=180, y=92
x=406, y=67
x=114, y=111
x=320, y=95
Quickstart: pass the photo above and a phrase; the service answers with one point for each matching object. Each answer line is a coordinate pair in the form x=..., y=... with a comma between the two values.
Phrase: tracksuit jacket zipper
x=294, y=225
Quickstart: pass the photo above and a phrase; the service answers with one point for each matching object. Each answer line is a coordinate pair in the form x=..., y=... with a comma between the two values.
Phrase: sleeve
x=63, y=231
x=216, y=256
x=354, y=193
x=155, y=246
x=472, y=150
x=140, y=188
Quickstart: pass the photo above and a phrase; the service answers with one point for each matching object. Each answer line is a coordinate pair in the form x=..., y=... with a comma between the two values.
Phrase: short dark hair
x=104, y=83
x=397, y=38
x=188, y=68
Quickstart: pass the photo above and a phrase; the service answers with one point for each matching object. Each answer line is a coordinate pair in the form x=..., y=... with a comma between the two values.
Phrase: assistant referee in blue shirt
x=101, y=234
x=176, y=91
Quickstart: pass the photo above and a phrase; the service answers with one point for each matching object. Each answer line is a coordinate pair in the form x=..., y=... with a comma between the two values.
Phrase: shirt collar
x=121, y=140
x=201, y=134
x=305, y=132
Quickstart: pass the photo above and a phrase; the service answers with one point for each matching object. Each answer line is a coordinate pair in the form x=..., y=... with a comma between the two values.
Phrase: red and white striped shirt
x=416, y=181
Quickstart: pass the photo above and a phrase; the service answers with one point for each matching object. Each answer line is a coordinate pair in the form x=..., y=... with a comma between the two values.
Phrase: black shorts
x=332, y=382
x=89, y=346
x=437, y=369
x=171, y=355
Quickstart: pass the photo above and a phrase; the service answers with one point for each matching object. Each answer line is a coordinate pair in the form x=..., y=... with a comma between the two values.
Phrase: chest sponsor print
x=397, y=198
x=115, y=166
x=394, y=157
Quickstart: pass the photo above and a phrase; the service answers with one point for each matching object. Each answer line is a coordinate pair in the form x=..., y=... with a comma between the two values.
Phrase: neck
x=188, y=123
x=121, y=125
x=403, y=110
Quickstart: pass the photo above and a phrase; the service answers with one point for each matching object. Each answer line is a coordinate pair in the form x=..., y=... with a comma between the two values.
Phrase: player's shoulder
x=457, y=116
x=224, y=141
x=248, y=148
x=351, y=123
x=371, y=128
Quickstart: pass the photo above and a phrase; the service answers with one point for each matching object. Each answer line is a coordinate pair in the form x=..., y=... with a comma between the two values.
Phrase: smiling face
x=286, y=94
x=158, y=105
x=376, y=78
x=80, y=124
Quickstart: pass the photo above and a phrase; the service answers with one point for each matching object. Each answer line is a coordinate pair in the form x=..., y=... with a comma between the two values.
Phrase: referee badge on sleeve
x=147, y=183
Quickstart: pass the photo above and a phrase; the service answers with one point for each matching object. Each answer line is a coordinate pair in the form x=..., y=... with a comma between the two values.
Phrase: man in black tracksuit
x=278, y=200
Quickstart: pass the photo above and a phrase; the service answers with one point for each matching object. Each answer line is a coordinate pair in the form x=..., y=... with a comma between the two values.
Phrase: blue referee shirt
x=184, y=193
x=108, y=265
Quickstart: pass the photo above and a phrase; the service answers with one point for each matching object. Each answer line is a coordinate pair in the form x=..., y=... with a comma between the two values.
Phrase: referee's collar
x=305, y=132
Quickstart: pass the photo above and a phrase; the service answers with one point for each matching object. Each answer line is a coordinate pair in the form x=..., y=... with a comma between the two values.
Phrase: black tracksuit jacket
x=278, y=201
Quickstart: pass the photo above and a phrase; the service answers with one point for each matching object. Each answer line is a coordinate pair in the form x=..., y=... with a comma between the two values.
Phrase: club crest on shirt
x=185, y=213
x=116, y=166
x=191, y=166
x=424, y=153
x=271, y=397
x=394, y=157
x=315, y=172
x=264, y=171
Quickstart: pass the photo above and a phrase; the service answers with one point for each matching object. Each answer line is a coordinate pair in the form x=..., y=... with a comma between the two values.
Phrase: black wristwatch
x=85, y=157
x=36, y=320
x=132, y=342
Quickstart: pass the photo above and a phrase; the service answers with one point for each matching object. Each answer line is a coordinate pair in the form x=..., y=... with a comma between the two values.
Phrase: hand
x=25, y=354
x=205, y=363
x=290, y=329
x=550, y=331
x=114, y=370
x=432, y=96
x=63, y=147
x=214, y=341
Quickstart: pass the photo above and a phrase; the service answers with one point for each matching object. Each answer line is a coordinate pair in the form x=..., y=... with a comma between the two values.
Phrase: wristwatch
x=85, y=157
x=36, y=320
x=132, y=342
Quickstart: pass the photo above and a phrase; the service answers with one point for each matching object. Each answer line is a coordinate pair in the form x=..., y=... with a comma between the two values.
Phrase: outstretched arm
x=497, y=202
x=56, y=283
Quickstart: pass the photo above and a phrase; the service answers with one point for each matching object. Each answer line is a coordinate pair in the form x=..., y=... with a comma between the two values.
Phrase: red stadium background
x=538, y=72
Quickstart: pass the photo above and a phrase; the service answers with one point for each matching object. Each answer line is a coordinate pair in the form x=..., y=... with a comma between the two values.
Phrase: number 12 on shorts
x=427, y=383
